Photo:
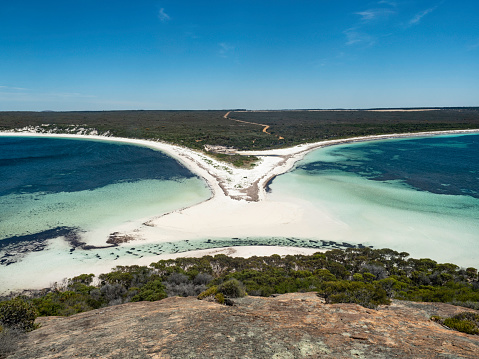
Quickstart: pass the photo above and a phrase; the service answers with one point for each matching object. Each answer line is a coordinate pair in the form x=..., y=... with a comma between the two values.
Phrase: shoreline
x=229, y=212
x=235, y=183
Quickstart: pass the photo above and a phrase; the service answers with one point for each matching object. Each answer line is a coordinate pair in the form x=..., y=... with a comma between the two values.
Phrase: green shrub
x=209, y=292
x=232, y=288
x=368, y=277
x=358, y=277
x=365, y=294
x=65, y=303
x=324, y=275
x=152, y=291
x=17, y=313
x=465, y=322
x=220, y=298
x=82, y=278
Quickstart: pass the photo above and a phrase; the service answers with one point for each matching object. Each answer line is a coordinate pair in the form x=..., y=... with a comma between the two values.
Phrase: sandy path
x=265, y=127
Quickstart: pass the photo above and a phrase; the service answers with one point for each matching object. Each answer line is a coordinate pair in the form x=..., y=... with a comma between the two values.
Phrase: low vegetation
x=466, y=322
x=17, y=316
x=368, y=277
x=17, y=313
x=289, y=128
x=195, y=129
x=236, y=159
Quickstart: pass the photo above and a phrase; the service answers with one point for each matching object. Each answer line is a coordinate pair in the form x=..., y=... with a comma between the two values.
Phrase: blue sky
x=174, y=54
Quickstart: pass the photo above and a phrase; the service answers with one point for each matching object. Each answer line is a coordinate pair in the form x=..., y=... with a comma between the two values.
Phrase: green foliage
x=64, y=303
x=85, y=279
x=365, y=294
x=447, y=293
x=465, y=326
x=118, y=277
x=358, y=277
x=368, y=277
x=152, y=291
x=232, y=288
x=220, y=298
x=194, y=129
x=236, y=159
x=17, y=313
x=208, y=293
x=324, y=275
x=365, y=276
x=465, y=322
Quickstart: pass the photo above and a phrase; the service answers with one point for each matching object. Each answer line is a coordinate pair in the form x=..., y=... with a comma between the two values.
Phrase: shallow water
x=417, y=195
x=87, y=185
x=379, y=194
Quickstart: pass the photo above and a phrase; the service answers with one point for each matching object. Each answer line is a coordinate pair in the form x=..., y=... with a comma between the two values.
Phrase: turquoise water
x=416, y=195
x=419, y=195
x=84, y=185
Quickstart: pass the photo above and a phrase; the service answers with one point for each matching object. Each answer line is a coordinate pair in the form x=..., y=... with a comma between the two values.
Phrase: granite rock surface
x=295, y=325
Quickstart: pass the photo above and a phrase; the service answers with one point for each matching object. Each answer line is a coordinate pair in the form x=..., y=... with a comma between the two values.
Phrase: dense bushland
x=289, y=128
x=369, y=277
x=194, y=129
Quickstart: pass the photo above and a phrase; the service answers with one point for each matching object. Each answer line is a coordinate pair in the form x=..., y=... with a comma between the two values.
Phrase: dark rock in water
x=117, y=238
x=295, y=325
x=38, y=238
x=15, y=248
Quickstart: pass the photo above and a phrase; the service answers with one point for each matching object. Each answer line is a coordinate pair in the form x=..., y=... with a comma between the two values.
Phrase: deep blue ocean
x=441, y=164
x=53, y=187
x=419, y=195
x=49, y=165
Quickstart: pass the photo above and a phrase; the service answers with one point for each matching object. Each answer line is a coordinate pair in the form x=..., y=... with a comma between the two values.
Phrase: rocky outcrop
x=295, y=325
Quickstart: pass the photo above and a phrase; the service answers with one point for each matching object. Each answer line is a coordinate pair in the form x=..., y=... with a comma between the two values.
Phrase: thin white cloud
x=163, y=16
x=225, y=49
x=359, y=32
x=374, y=14
x=418, y=17
x=356, y=37
x=366, y=15
x=390, y=3
x=13, y=88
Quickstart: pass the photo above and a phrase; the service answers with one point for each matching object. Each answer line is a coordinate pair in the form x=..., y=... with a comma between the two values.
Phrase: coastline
x=238, y=207
x=238, y=183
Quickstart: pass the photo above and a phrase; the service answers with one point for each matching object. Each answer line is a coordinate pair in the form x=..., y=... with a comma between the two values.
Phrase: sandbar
x=238, y=207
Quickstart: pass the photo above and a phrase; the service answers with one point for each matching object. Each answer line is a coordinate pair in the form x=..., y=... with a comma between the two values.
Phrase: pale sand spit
x=237, y=208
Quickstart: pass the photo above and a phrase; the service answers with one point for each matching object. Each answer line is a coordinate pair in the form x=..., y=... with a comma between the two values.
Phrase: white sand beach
x=239, y=207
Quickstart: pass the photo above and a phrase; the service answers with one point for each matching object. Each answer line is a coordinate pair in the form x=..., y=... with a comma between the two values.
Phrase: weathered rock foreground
x=290, y=326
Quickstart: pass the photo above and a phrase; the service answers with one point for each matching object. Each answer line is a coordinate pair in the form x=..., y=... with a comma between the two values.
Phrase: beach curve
x=238, y=206
x=237, y=192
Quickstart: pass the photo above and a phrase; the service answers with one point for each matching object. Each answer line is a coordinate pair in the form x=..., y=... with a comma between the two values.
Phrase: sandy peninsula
x=238, y=207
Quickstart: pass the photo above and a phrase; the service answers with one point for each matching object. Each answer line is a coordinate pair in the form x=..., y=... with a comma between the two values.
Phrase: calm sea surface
x=420, y=195
x=47, y=183
x=443, y=164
